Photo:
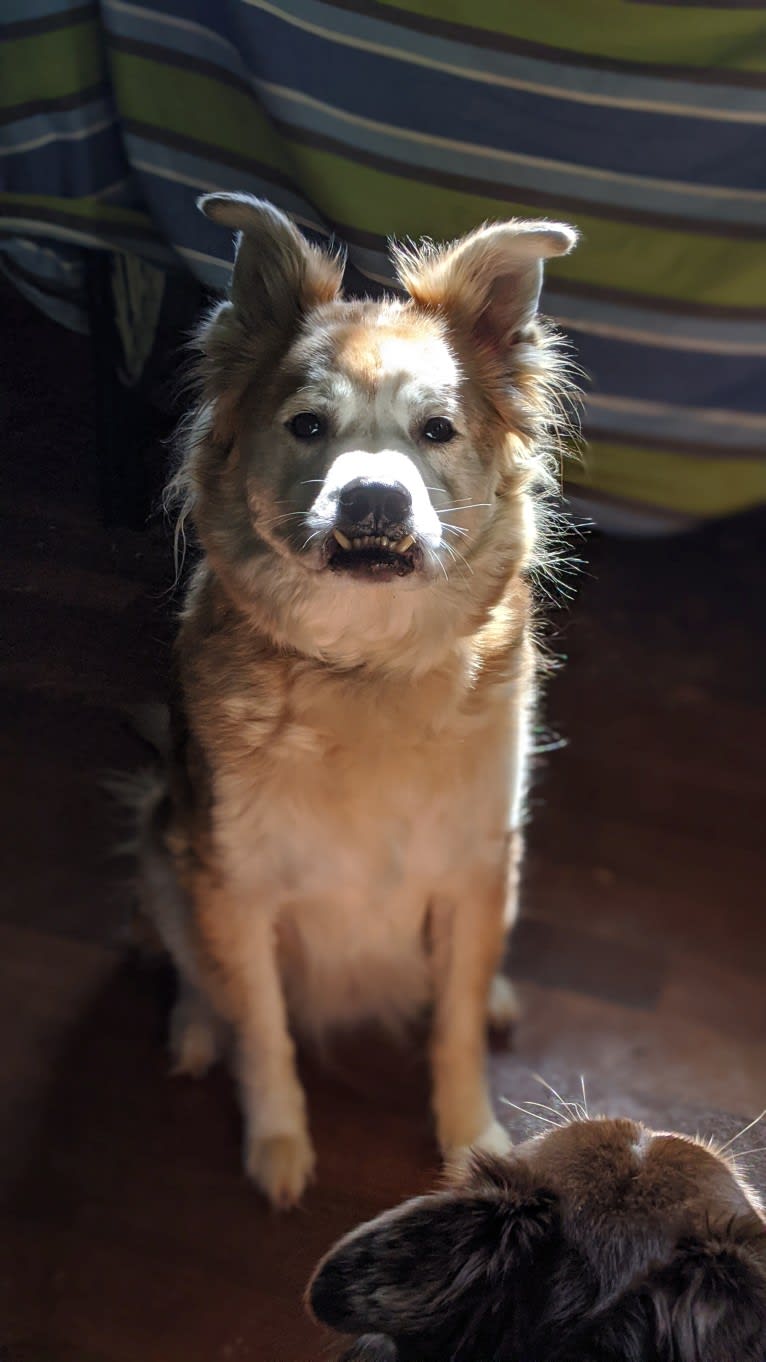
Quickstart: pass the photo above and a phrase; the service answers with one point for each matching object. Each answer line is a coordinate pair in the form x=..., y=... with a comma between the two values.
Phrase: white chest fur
x=345, y=815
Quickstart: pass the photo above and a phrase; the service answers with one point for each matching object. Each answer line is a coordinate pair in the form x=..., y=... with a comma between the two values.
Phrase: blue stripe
x=151, y=25
x=443, y=105
x=568, y=182
x=57, y=124
x=16, y=10
x=732, y=383
x=65, y=169
x=558, y=302
x=676, y=425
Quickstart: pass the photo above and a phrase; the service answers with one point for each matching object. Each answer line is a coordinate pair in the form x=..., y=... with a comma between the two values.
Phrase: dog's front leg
x=240, y=938
x=467, y=943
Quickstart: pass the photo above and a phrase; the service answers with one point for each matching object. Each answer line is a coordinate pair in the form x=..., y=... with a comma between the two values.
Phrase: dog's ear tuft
x=372, y=1348
x=489, y=282
x=417, y=1267
x=277, y=274
x=710, y=1302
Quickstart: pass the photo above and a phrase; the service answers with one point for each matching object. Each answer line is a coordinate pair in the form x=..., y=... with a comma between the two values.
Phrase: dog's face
x=351, y=453
x=597, y=1242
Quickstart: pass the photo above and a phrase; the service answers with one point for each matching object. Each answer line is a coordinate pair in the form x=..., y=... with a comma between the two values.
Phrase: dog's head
x=597, y=1242
x=356, y=466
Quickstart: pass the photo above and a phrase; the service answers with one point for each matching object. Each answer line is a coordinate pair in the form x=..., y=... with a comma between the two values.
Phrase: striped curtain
x=643, y=123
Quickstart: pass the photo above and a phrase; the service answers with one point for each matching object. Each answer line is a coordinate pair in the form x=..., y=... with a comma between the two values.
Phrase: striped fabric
x=644, y=123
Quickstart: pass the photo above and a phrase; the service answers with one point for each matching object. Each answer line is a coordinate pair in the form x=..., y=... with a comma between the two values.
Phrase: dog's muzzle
x=373, y=532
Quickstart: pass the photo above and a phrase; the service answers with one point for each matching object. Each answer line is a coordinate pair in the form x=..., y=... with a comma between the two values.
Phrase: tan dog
x=356, y=663
x=598, y=1242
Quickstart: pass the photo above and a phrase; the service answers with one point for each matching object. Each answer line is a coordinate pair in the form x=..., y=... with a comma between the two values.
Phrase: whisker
x=556, y=1110
x=534, y=1114
x=456, y=529
x=742, y=1132
x=474, y=506
x=584, y=1098
x=743, y=1153
x=539, y=1079
x=455, y=554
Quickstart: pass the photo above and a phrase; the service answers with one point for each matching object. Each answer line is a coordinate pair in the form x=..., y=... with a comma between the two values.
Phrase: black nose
x=375, y=507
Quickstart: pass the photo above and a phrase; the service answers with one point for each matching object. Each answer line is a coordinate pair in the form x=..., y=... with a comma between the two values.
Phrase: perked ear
x=277, y=274
x=490, y=281
x=710, y=1302
x=415, y=1269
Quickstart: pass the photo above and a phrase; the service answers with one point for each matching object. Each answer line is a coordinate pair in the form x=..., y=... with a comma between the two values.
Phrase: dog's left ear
x=709, y=1303
x=489, y=283
x=277, y=274
x=417, y=1268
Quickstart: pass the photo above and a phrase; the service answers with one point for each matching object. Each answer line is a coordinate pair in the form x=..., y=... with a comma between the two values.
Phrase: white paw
x=503, y=1009
x=282, y=1166
x=195, y=1041
x=494, y=1139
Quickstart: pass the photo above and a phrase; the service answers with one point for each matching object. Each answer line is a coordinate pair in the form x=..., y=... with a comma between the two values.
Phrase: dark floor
x=128, y=1233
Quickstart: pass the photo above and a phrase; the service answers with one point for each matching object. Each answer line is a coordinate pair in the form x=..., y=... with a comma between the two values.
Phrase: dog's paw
x=503, y=1008
x=194, y=1041
x=494, y=1139
x=282, y=1166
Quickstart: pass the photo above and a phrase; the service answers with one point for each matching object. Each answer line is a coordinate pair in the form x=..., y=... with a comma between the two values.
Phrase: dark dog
x=597, y=1242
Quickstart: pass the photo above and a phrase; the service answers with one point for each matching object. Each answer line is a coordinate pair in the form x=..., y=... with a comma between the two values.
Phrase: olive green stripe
x=51, y=65
x=661, y=263
x=604, y=33
x=673, y=481
x=180, y=100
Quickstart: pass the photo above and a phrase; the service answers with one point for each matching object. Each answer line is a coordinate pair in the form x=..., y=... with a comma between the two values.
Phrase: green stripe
x=675, y=482
x=727, y=39
x=196, y=106
x=89, y=210
x=647, y=260
x=51, y=65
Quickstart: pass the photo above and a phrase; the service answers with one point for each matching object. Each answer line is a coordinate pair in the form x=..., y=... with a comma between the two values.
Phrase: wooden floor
x=128, y=1233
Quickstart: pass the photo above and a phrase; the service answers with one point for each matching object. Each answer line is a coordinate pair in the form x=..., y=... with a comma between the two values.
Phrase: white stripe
x=88, y=238
x=712, y=416
x=662, y=339
x=49, y=137
x=35, y=249
x=510, y=157
x=141, y=12
x=488, y=78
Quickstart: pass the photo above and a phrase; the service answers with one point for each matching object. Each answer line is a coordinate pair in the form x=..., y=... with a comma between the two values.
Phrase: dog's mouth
x=375, y=557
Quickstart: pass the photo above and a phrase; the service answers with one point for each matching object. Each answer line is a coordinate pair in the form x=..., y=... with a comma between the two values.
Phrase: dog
x=599, y=1241
x=339, y=830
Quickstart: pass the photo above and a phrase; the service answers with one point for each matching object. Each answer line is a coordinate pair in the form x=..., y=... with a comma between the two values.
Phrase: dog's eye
x=306, y=426
x=439, y=429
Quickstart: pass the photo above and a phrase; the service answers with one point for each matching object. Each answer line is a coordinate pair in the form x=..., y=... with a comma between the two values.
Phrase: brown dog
x=597, y=1242
x=339, y=836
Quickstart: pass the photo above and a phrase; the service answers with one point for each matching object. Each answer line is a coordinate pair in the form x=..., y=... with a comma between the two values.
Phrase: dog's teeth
x=404, y=544
x=356, y=543
x=342, y=539
x=383, y=542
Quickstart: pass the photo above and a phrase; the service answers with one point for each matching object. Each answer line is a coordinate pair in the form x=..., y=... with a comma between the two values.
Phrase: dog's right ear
x=424, y=1267
x=277, y=274
x=707, y=1304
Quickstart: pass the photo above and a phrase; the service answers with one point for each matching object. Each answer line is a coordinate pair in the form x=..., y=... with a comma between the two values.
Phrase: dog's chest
x=357, y=786
x=355, y=811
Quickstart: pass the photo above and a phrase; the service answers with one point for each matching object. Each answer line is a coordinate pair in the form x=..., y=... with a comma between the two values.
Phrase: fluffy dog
x=339, y=834
x=597, y=1242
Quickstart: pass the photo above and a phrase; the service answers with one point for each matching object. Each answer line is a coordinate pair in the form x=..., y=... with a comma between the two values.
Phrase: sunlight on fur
x=338, y=829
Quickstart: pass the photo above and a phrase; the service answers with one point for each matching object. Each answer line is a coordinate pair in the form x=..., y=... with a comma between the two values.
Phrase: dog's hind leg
x=198, y=1035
